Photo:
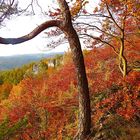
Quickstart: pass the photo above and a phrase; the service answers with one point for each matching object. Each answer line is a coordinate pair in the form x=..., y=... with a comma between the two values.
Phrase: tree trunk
x=122, y=59
x=84, y=99
x=66, y=26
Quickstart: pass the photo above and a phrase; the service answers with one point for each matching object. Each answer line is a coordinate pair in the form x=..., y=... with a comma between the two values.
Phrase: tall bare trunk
x=84, y=99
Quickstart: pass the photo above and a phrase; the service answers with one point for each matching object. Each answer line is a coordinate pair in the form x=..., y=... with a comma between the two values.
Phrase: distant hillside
x=9, y=62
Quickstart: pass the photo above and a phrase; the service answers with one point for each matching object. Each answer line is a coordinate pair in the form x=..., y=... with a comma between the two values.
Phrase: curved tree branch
x=32, y=34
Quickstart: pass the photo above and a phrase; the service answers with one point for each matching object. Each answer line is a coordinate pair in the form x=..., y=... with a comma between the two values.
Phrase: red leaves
x=123, y=98
x=127, y=113
x=111, y=2
x=84, y=11
x=55, y=13
x=51, y=102
x=137, y=103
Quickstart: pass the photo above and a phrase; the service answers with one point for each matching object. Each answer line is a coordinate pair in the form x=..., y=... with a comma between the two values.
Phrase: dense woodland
x=46, y=105
x=40, y=101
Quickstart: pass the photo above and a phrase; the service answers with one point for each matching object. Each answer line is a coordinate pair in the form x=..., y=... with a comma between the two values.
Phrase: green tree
x=6, y=132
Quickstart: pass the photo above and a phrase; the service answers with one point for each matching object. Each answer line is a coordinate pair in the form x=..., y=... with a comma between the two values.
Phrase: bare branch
x=32, y=34
x=39, y=6
x=32, y=6
x=95, y=15
x=6, y=12
x=112, y=18
x=93, y=26
x=103, y=41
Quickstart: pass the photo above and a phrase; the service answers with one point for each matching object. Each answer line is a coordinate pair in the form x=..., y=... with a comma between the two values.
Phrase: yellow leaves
x=77, y=6
x=96, y=9
x=85, y=2
x=16, y=90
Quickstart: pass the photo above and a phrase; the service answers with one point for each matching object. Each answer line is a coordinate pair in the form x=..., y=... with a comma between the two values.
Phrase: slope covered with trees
x=9, y=78
x=47, y=107
x=97, y=93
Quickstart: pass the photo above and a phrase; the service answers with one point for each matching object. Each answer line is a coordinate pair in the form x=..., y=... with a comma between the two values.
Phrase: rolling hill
x=9, y=62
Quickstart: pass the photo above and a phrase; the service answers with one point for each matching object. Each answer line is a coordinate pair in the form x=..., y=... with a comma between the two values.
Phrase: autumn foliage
x=44, y=106
x=47, y=106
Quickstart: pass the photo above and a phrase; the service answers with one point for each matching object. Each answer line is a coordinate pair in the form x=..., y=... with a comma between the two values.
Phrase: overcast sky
x=21, y=25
